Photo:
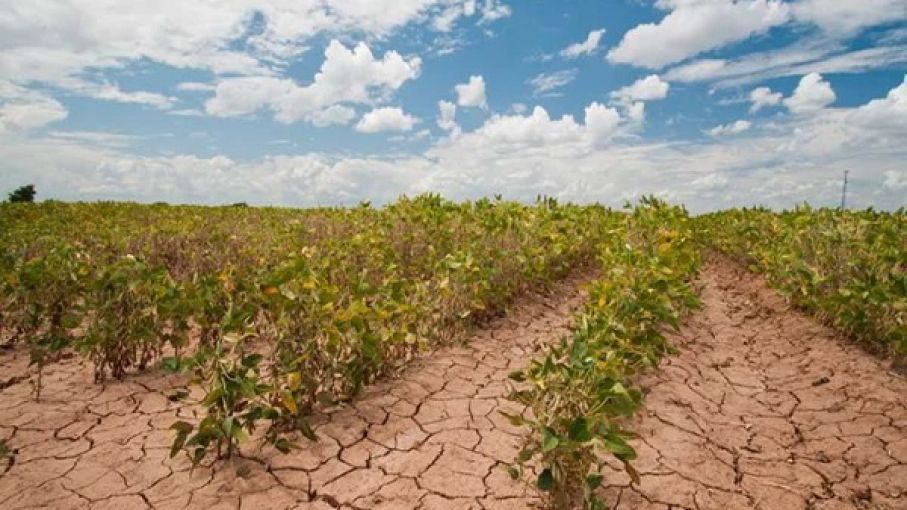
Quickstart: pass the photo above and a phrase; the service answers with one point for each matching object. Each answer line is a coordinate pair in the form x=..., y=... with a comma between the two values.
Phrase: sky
x=712, y=103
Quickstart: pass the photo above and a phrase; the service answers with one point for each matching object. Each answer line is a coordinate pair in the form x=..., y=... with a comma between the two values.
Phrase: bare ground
x=765, y=408
x=431, y=438
x=761, y=408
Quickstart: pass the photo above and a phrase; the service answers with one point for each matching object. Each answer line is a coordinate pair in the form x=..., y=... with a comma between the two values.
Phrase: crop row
x=579, y=392
x=275, y=311
x=847, y=267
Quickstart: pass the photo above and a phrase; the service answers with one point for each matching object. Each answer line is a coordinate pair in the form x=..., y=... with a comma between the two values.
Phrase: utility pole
x=844, y=191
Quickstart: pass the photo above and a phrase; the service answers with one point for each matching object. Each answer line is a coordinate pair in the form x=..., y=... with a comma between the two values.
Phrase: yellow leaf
x=294, y=381
x=287, y=398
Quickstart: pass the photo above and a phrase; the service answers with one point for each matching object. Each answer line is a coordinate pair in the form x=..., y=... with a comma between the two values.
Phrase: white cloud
x=246, y=95
x=472, y=93
x=346, y=75
x=386, y=119
x=888, y=114
x=420, y=135
x=445, y=21
x=804, y=57
x=812, y=94
x=194, y=86
x=733, y=128
x=846, y=17
x=895, y=180
x=587, y=47
x=332, y=115
x=23, y=109
x=447, y=17
x=494, y=10
x=697, y=70
x=650, y=88
x=187, y=112
x=548, y=82
x=51, y=41
x=796, y=159
x=601, y=123
x=112, y=92
x=636, y=112
x=447, y=113
x=763, y=97
x=708, y=182
x=538, y=129
x=695, y=26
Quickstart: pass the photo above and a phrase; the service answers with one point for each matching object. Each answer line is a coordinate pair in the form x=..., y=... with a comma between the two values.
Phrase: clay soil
x=761, y=407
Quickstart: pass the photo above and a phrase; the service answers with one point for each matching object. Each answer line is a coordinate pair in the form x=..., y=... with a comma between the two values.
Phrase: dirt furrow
x=765, y=408
x=431, y=438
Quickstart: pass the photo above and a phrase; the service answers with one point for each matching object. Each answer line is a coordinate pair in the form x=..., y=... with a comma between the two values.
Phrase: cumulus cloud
x=846, y=17
x=472, y=93
x=545, y=83
x=632, y=98
x=812, y=94
x=763, y=97
x=888, y=114
x=350, y=75
x=636, y=112
x=733, y=128
x=332, y=115
x=386, y=119
x=694, y=26
x=797, y=159
x=54, y=41
x=650, y=88
x=538, y=129
x=447, y=113
x=587, y=47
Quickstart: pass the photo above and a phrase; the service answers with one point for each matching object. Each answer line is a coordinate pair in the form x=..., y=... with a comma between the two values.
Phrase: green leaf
x=593, y=481
x=182, y=432
x=199, y=455
x=579, y=430
x=213, y=397
x=616, y=445
x=549, y=439
x=283, y=445
x=545, y=481
x=252, y=360
x=303, y=426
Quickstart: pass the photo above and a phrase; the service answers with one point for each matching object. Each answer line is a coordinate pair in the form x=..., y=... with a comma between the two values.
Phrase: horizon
x=366, y=203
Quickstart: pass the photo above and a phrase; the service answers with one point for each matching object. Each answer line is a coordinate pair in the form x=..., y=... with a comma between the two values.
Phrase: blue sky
x=714, y=103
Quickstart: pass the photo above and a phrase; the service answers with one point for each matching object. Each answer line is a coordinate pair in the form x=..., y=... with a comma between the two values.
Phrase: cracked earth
x=431, y=438
x=765, y=408
x=761, y=408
